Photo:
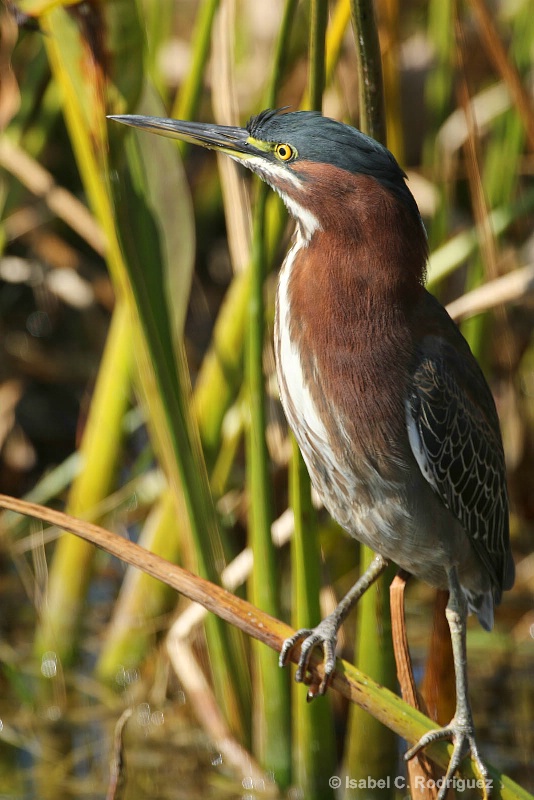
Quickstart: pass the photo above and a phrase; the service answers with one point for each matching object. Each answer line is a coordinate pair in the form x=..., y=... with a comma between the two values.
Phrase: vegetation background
x=137, y=389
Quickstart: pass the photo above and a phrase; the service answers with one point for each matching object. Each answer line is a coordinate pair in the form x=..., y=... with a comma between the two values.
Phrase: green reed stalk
x=271, y=729
x=271, y=722
x=70, y=571
x=314, y=756
x=141, y=599
x=188, y=98
x=366, y=740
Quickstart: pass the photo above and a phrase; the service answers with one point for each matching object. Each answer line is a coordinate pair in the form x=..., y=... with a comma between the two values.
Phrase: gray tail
x=481, y=605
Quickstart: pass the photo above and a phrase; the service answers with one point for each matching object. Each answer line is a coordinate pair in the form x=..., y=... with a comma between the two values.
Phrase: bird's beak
x=234, y=142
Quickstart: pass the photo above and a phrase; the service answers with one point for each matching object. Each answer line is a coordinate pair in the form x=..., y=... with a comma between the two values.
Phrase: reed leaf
x=271, y=690
x=72, y=58
x=370, y=747
x=166, y=383
x=187, y=99
x=70, y=570
x=141, y=599
x=314, y=756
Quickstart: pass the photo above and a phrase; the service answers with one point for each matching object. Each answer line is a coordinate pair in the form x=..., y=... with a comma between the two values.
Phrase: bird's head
x=324, y=170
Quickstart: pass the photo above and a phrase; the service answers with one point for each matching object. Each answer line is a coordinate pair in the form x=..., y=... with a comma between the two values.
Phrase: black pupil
x=282, y=151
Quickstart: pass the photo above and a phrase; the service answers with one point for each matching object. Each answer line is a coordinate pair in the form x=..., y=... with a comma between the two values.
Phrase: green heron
x=391, y=411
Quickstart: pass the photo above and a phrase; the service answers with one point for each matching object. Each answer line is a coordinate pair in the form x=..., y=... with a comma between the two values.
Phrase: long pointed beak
x=232, y=141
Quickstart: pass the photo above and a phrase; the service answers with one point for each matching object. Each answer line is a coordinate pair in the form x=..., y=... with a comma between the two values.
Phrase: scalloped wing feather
x=455, y=437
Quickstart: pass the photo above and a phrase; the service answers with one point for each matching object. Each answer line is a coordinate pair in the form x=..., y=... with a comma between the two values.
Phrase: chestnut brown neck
x=352, y=290
x=367, y=231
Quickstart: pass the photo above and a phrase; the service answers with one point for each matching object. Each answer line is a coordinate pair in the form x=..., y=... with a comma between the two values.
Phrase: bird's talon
x=327, y=680
x=290, y=643
x=314, y=690
x=318, y=689
x=282, y=658
x=464, y=742
x=310, y=640
x=425, y=740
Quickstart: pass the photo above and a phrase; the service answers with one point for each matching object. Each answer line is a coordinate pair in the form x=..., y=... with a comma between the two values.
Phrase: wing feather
x=455, y=437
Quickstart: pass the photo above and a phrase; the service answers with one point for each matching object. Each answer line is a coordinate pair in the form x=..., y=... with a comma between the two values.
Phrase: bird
x=392, y=413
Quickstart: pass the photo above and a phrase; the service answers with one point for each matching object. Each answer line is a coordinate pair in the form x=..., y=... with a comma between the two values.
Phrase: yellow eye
x=284, y=152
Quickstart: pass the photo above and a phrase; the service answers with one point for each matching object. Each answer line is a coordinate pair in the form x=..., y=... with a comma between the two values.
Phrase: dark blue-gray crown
x=327, y=141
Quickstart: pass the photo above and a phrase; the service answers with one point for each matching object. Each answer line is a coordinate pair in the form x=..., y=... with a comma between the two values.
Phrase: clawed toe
x=290, y=643
x=325, y=634
x=463, y=740
x=311, y=638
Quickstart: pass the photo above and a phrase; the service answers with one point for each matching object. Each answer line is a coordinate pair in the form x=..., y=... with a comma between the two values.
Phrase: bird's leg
x=460, y=730
x=325, y=634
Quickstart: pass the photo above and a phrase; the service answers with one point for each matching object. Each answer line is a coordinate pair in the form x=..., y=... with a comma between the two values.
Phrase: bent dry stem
x=347, y=680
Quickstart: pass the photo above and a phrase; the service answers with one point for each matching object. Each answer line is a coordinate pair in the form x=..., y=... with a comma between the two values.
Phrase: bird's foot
x=462, y=736
x=324, y=636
